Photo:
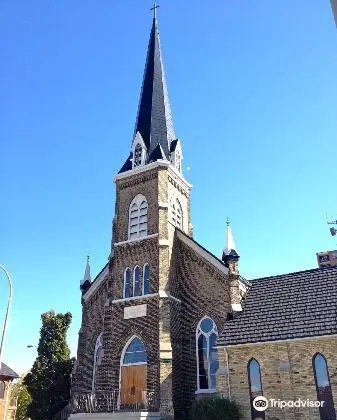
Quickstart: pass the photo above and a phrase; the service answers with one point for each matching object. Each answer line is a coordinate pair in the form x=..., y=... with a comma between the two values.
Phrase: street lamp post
x=7, y=311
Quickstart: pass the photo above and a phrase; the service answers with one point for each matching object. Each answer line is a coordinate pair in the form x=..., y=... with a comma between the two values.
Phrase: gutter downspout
x=228, y=379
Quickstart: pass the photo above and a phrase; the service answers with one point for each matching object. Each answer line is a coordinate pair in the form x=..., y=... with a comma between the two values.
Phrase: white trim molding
x=208, y=257
x=131, y=241
x=96, y=284
x=140, y=169
x=164, y=294
x=135, y=298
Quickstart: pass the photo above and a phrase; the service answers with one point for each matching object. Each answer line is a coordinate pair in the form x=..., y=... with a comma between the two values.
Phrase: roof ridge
x=311, y=270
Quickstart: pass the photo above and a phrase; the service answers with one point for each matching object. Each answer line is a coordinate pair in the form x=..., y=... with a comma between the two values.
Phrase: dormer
x=176, y=156
x=138, y=151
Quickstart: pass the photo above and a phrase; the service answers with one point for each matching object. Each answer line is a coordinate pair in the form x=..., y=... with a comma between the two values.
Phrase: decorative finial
x=88, y=259
x=228, y=222
x=154, y=8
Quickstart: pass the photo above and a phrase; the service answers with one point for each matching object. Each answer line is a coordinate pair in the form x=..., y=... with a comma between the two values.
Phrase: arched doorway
x=133, y=390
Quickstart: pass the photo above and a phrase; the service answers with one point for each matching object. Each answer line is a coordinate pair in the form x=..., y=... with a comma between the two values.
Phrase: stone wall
x=286, y=372
x=203, y=291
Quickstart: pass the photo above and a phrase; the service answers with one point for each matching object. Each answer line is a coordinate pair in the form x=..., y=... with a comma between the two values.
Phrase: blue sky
x=253, y=92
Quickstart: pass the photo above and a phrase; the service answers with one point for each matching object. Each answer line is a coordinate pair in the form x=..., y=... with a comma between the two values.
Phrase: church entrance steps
x=142, y=415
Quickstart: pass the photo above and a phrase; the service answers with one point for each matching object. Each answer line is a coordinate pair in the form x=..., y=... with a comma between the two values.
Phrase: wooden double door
x=133, y=391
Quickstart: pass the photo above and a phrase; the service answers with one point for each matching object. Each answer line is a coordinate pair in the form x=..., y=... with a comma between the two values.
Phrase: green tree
x=23, y=399
x=48, y=383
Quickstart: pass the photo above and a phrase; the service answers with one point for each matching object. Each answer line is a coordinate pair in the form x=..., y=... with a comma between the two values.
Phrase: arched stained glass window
x=207, y=355
x=146, y=280
x=137, y=281
x=255, y=387
x=97, y=359
x=2, y=390
x=127, y=283
x=138, y=217
x=323, y=387
x=135, y=353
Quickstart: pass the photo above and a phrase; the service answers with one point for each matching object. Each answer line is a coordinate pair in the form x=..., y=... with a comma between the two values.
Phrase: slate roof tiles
x=295, y=305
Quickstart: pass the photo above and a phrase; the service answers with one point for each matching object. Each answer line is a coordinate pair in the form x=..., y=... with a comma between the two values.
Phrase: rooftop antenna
x=333, y=230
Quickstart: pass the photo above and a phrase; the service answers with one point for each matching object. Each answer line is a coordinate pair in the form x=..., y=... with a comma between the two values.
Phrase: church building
x=152, y=316
x=166, y=322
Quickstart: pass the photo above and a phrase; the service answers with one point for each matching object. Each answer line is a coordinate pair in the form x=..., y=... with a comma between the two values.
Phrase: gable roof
x=294, y=305
x=7, y=372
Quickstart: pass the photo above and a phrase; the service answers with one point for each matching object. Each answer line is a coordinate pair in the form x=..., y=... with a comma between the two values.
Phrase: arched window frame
x=125, y=349
x=177, y=213
x=199, y=332
x=138, y=217
x=2, y=390
x=254, y=414
x=130, y=286
x=140, y=281
x=97, y=362
x=146, y=280
x=327, y=412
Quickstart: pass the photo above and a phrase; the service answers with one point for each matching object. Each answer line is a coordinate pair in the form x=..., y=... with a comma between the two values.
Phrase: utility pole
x=7, y=311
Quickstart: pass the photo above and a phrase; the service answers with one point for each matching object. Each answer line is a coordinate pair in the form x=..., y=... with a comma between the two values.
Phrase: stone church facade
x=166, y=321
x=161, y=293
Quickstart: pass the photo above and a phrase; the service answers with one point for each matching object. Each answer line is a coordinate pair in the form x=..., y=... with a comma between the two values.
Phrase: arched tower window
x=177, y=213
x=323, y=387
x=137, y=281
x=146, y=279
x=207, y=354
x=2, y=390
x=138, y=217
x=128, y=289
x=138, y=155
x=97, y=359
x=255, y=386
x=178, y=161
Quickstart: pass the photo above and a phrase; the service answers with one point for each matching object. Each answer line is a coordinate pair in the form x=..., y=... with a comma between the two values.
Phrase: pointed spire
x=87, y=276
x=154, y=119
x=230, y=252
x=230, y=245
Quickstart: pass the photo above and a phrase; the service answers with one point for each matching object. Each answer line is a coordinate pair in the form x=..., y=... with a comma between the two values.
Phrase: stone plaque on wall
x=136, y=311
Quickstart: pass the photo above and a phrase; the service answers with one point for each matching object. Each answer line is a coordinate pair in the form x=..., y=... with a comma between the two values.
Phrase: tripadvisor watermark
x=262, y=403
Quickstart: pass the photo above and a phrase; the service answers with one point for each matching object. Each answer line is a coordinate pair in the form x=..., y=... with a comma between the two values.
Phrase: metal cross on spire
x=154, y=8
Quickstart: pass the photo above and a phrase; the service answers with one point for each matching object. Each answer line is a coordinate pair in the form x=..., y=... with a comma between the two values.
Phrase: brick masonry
x=286, y=372
x=184, y=287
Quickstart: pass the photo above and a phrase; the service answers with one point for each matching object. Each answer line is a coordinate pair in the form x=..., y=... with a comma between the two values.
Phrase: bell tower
x=152, y=201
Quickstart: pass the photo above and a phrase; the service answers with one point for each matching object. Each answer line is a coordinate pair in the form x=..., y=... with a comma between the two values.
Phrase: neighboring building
x=151, y=317
x=327, y=259
x=7, y=405
x=334, y=9
x=283, y=346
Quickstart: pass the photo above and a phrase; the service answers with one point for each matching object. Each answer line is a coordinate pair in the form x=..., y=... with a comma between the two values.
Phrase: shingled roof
x=7, y=372
x=295, y=305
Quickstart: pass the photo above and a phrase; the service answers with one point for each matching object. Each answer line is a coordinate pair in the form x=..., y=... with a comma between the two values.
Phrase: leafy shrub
x=214, y=408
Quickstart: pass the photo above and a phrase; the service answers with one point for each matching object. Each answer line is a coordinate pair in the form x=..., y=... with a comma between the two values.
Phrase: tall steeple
x=154, y=129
